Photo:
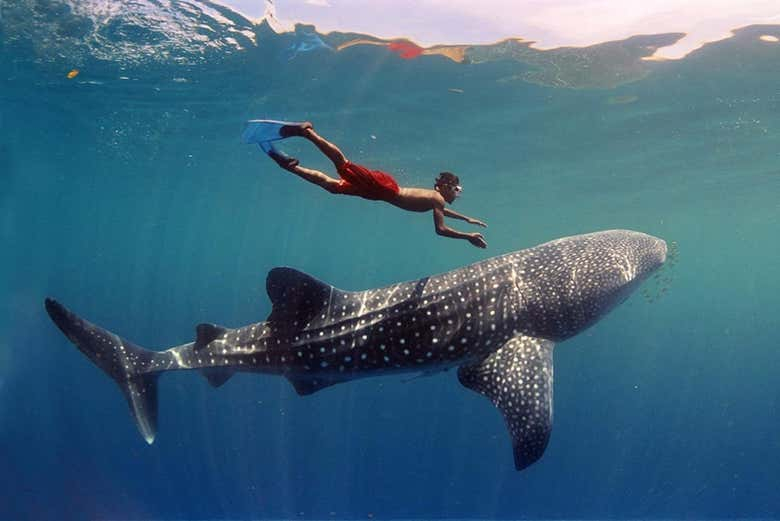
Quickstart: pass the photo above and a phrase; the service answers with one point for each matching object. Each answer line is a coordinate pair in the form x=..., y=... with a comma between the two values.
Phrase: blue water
x=127, y=195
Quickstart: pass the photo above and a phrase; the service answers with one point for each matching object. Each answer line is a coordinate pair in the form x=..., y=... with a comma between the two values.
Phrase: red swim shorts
x=369, y=184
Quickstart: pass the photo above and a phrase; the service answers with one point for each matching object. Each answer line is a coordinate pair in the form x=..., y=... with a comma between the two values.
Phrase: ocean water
x=128, y=196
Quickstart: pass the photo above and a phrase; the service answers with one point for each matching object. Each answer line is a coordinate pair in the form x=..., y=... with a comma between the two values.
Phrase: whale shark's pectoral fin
x=518, y=379
x=297, y=297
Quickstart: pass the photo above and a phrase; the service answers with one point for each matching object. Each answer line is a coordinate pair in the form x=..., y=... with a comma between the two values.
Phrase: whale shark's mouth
x=665, y=253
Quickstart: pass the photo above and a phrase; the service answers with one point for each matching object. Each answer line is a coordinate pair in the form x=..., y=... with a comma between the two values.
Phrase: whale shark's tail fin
x=119, y=359
x=518, y=379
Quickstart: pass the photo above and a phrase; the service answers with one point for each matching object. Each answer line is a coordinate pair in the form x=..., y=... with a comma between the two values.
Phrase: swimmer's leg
x=313, y=176
x=318, y=178
x=305, y=130
x=333, y=152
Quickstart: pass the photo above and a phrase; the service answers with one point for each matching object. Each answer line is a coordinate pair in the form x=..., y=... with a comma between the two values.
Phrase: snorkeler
x=379, y=186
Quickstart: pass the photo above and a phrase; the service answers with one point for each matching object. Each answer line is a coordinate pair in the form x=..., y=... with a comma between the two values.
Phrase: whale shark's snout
x=627, y=259
x=577, y=280
x=650, y=253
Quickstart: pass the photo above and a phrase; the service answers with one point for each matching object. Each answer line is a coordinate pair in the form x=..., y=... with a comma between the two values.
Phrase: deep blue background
x=134, y=203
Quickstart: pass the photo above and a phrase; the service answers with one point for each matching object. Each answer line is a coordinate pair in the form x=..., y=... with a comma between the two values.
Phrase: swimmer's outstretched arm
x=470, y=220
x=442, y=229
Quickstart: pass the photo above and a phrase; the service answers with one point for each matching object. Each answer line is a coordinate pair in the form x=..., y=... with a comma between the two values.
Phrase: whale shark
x=496, y=321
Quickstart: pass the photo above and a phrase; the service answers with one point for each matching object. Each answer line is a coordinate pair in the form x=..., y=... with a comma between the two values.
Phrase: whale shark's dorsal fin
x=518, y=379
x=296, y=296
x=206, y=334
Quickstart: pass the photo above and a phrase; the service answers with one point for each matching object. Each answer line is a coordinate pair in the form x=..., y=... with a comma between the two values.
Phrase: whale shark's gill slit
x=419, y=288
x=362, y=309
x=328, y=317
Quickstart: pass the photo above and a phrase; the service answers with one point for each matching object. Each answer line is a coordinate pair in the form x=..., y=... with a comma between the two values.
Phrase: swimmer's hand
x=476, y=221
x=477, y=240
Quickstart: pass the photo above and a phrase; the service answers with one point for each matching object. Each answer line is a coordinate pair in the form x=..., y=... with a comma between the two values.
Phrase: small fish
x=73, y=73
x=622, y=100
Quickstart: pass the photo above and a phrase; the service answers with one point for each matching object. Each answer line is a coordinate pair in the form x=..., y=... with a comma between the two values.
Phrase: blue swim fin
x=260, y=130
x=264, y=132
x=269, y=148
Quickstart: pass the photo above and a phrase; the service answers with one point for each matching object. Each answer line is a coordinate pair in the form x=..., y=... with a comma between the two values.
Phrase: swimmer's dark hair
x=447, y=178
